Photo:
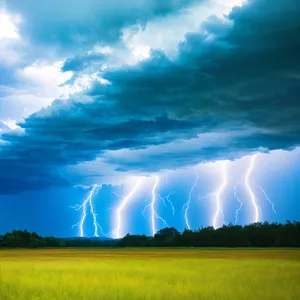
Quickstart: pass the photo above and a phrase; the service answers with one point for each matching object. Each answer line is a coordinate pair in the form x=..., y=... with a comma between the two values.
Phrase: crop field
x=91, y=274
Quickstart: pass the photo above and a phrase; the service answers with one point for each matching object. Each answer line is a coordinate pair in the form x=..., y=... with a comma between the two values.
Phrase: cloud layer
x=237, y=77
x=68, y=27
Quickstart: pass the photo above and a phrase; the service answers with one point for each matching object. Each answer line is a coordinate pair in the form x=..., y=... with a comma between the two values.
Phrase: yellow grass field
x=167, y=274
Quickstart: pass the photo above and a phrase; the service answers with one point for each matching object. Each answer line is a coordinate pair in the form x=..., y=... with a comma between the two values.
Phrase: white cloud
x=12, y=124
x=166, y=33
x=43, y=74
x=8, y=26
x=36, y=87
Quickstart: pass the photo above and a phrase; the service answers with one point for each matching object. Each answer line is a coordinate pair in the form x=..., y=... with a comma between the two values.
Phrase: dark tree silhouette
x=134, y=241
x=252, y=235
x=167, y=237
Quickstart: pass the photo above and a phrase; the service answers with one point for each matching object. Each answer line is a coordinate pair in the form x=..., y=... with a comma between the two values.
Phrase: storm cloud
x=70, y=27
x=239, y=74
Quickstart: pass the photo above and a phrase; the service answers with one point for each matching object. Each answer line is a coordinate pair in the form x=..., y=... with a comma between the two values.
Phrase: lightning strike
x=144, y=210
x=267, y=198
x=186, y=206
x=94, y=218
x=121, y=207
x=165, y=224
x=87, y=201
x=151, y=205
x=146, y=207
x=218, y=194
x=239, y=208
x=153, y=213
x=167, y=198
x=207, y=196
x=252, y=196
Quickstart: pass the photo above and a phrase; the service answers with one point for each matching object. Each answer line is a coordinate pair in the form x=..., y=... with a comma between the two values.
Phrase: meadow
x=210, y=274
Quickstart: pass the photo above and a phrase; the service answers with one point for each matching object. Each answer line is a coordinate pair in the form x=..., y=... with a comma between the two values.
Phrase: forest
x=252, y=235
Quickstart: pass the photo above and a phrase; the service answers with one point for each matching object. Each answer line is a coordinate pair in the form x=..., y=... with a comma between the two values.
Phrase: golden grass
x=150, y=274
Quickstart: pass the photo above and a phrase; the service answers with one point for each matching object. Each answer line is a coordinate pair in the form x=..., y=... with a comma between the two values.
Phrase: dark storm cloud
x=41, y=151
x=243, y=72
x=72, y=26
x=165, y=161
x=247, y=71
x=232, y=147
x=81, y=62
x=72, y=138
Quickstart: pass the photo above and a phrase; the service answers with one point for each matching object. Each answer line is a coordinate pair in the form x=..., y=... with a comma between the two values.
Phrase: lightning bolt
x=207, y=196
x=186, y=206
x=164, y=199
x=267, y=198
x=218, y=194
x=239, y=208
x=151, y=205
x=121, y=207
x=165, y=224
x=83, y=206
x=94, y=218
x=167, y=198
x=144, y=210
x=153, y=212
x=146, y=207
x=252, y=196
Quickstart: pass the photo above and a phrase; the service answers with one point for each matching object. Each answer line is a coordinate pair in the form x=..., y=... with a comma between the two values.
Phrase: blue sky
x=49, y=212
x=172, y=89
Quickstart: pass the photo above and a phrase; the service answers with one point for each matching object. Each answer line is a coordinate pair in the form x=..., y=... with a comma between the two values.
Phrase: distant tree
x=9, y=240
x=166, y=237
x=51, y=241
x=252, y=235
x=134, y=241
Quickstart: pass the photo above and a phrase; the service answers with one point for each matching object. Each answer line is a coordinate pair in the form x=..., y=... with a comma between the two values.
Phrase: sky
x=148, y=113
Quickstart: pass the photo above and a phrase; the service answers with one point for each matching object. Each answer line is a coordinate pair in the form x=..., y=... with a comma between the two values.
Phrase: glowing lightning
x=121, y=207
x=153, y=213
x=165, y=224
x=218, y=194
x=94, y=218
x=152, y=206
x=207, y=196
x=256, y=208
x=187, y=205
x=167, y=198
x=267, y=198
x=83, y=206
x=146, y=207
x=239, y=208
x=144, y=210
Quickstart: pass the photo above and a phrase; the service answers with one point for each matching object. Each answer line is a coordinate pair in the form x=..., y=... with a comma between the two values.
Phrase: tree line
x=252, y=235
x=25, y=239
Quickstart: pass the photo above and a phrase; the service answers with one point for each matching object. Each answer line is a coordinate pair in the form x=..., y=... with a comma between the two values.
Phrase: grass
x=166, y=274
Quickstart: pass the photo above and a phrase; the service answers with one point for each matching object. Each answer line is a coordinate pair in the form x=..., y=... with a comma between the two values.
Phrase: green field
x=150, y=274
